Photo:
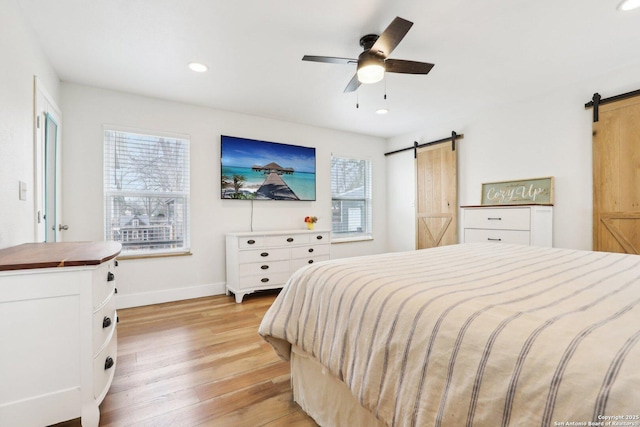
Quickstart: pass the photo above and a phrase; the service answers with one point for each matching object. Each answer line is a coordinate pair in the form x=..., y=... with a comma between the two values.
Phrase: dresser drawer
x=265, y=280
x=498, y=219
x=520, y=237
x=258, y=268
x=262, y=255
x=104, y=322
x=309, y=251
x=251, y=242
x=296, y=264
x=104, y=365
x=320, y=237
x=287, y=240
x=104, y=283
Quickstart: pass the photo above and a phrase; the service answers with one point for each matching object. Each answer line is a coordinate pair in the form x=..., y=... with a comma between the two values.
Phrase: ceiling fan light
x=370, y=73
x=629, y=5
x=370, y=68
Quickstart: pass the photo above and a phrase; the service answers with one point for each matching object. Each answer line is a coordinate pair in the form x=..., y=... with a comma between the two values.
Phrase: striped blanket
x=473, y=334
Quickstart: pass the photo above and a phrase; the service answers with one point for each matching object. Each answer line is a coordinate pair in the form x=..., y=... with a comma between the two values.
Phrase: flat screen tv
x=261, y=170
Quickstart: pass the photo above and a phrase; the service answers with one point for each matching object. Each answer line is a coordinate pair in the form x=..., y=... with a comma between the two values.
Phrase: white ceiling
x=485, y=53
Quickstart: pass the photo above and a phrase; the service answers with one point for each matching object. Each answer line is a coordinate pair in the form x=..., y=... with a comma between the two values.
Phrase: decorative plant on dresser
x=58, y=330
x=265, y=260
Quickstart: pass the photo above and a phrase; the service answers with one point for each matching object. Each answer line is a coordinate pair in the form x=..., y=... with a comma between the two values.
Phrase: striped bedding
x=473, y=334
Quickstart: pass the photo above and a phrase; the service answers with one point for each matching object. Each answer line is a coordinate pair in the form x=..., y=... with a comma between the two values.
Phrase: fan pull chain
x=357, y=100
x=385, y=89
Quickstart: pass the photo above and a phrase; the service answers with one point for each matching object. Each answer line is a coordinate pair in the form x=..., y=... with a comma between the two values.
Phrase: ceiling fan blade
x=391, y=37
x=329, y=59
x=407, y=67
x=353, y=84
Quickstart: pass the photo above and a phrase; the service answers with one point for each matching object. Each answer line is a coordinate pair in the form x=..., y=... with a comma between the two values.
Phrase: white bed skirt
x=326, y=399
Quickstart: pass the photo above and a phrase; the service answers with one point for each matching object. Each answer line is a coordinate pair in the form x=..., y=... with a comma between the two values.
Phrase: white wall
x=22, y=59
x=546, y=136
x=87, y=109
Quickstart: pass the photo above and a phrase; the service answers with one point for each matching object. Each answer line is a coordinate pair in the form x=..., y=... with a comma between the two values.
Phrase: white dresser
x=266, y=260
x=58, y=331
x=521, y=224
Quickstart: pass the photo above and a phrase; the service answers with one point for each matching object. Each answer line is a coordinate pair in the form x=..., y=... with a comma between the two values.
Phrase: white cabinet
x=522, y=224
x=266, y=260
x=58, y=330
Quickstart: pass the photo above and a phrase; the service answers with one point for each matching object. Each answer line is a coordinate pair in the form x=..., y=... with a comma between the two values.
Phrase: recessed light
x=198, y=67
x=382, y=111
x=629, y=5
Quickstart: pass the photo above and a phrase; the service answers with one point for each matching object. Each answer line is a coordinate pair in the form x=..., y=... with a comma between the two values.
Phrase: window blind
x=351, y=197
x=146, y=190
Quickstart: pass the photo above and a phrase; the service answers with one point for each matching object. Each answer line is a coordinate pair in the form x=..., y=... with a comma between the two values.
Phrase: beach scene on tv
x=262, y=170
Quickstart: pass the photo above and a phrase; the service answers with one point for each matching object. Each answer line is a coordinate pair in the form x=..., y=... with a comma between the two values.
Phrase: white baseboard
x=168, y=295
x=44, y=409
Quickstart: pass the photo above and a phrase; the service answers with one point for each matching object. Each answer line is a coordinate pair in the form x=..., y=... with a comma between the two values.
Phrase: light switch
x=23, y=190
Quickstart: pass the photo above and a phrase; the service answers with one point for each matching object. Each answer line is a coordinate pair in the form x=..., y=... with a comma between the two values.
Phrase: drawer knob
x=264, y=279
x=494, y=219
x=264, y=254
x=108, y=363
x=310, y=249
x=319, y=237
x=310, y=261
x=251, y=242
x=494, y=240
x=264, y=267
x=106, y=322
x=111, y=277
x=290, y=239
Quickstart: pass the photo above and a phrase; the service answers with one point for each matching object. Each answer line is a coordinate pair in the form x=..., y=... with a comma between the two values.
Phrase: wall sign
x=536, y=191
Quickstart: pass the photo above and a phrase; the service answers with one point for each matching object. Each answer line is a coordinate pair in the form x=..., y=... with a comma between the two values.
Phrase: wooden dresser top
x=63, y=254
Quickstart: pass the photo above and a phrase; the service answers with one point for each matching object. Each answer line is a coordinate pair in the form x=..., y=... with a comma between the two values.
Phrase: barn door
x=437, y=196
x=616, y=174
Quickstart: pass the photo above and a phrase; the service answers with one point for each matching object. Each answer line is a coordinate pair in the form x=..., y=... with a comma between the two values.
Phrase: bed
x=464, y=335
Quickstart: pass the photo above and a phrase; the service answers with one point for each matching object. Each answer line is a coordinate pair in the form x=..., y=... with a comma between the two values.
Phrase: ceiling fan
x=374, y=61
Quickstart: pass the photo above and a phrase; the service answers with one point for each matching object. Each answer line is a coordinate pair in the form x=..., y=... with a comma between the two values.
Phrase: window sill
x=159, y=255
x=351, y=239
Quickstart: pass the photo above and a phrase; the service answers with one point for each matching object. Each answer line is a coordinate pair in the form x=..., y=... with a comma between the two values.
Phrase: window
x=146, y=192
x=350, y=198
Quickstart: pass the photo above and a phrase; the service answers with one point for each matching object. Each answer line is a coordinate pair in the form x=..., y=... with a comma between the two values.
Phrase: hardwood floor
x=199, y=363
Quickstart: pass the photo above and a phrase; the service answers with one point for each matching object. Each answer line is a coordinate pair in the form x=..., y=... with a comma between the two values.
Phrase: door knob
x=62, y=227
